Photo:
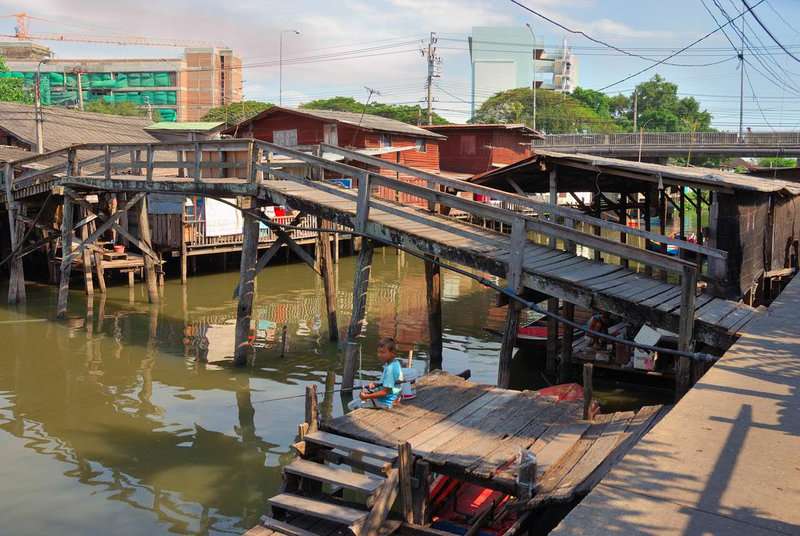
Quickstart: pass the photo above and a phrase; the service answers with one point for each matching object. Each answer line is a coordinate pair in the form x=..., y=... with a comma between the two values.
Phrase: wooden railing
x=677, y=139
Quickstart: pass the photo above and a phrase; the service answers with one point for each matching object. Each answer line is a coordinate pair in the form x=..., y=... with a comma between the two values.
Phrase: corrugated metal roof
x=524, y=129
x=202, y=126
x=365, y=122
x=688, y=175
x=62, y=127
x=10, y=153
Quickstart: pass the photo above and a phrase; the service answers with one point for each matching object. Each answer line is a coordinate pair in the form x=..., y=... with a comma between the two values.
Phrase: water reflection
x=128, y=418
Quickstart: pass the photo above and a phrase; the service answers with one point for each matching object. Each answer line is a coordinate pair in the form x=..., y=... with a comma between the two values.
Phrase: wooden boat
x=673, y=250
x=534, y=334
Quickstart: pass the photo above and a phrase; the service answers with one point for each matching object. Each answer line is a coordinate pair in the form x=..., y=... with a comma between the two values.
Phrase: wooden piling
x=86, y=259
x=312, y=411
x=405, y=466
x=184, y=257
x=247, y=271
x=552, y=337
x=420, y=494
x=66, y=266
x=325, y=267
x=588, y=391
x=149, y=265
x=685, y=332
x=98, y=266
x=434, y=298
x=360, y=286
x=514, y=282
x=284, y=340
x=565, y=362
x=16, y=285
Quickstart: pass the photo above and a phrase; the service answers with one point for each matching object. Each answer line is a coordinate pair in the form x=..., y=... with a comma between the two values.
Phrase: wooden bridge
x=249, y=171
x=675, y=144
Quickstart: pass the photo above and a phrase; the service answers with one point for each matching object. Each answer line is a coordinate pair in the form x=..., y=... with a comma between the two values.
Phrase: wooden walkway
x=474, y=432
x=726, y=459
x=560, y=274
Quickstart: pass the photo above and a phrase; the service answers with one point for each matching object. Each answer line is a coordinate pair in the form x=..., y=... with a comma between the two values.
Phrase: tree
x=774, y=162
x=660, y=109
x=555, y=113
x=11, y=89
x=130, y=109
x=413, y=115
x=235, y=113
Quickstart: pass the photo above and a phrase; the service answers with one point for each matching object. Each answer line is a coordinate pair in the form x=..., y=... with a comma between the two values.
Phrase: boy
x=387, y=393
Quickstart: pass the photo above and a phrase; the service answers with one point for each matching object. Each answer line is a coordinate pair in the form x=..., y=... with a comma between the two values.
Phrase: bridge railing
x=682, y=139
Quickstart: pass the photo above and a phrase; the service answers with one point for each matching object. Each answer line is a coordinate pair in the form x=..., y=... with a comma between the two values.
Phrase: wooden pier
x=467, y=431
x=243, y=169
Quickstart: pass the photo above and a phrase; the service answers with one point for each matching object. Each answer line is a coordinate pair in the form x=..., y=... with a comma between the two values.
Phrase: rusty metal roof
x=688, y=176
x=63, y=127
x=525, y=130
x=363, y=121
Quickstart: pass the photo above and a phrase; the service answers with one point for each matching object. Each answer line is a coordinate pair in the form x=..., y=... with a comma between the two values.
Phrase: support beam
x=247, y=274
x=433, y=284
x=360, y=286
x=66, y=267
x=149, y=265
x=325, y=268
x=514, y=282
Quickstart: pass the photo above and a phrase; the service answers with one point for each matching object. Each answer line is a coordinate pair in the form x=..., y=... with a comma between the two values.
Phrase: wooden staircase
x=301, y=507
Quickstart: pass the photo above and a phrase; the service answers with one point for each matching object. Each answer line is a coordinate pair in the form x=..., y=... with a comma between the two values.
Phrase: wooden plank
x=645, y=418
x=282, y=528
x=325, y=510
x=628, y=278
x=603, y=279
x=735, y=316
x=384, y=500
x=341, y=477
x=559, y=446
x=715, y=310
x=351, y=445
x=665, y=296
x=584, y=274
x=593, y=457
x=643, y=286
x=650, y=293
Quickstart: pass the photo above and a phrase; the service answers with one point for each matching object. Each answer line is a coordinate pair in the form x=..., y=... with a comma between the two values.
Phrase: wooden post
x=325, y=266
x=122, y=199
x=565, y=363
x=312, y=412
x=16, y=284
x=686, y=326
x=149, y=265
x=597, y=199
x=588, y=391
x=247, y=271
x=648, y=270
x=552, y=338
x=360, y=286
x=66, y=249
x=420, y=495
x=184, y=255
x=98, y=266
x=699, y=227
x=433, y=283
x=86, y=259
x=160, y=269
x=662, y=224
x=284, y=340
x=514, y=284
x=623, y=220
x=336, y=248
x=405, y=465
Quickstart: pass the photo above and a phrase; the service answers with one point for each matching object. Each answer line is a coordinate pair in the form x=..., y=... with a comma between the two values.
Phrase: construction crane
x=22, y=33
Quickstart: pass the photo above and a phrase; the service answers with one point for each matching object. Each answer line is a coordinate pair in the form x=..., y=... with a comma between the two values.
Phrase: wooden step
x=323, y=510
x=284, y=528
x=352, y=445
x=330, y=475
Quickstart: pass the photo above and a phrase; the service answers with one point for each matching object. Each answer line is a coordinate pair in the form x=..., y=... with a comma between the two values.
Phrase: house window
x=422, y=145
x=287, y=138
x=386, y=140
x=468, y=144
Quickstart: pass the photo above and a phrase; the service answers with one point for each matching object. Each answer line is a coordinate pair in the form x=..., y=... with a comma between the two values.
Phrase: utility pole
x=533, y=35
x=37, y=91
x=741, y=85
x=635, y=107
x=434, y=62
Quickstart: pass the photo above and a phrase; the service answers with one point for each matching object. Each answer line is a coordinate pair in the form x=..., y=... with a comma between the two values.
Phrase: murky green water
x=126, y=418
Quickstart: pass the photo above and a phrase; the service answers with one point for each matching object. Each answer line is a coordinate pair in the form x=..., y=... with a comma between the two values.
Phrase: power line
x=769, y=33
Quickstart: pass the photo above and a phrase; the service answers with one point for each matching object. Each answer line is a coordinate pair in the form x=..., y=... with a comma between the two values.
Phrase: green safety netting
x=168, y=115
x=162, y=79
x=148, y=80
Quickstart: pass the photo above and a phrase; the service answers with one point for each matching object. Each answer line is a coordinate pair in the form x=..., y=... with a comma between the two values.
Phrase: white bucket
x=409, y=389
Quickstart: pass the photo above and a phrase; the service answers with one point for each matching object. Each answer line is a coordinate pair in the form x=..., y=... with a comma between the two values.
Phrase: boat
x=534, y=334
x=673, y=250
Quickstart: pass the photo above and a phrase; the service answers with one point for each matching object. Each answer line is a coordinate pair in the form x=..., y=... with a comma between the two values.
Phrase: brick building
x=181, y=89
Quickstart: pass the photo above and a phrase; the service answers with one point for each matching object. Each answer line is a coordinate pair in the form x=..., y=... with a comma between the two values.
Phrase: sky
x=347, y=46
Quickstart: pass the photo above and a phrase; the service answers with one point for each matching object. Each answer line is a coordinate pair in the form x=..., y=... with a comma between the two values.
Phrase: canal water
x=127, y=418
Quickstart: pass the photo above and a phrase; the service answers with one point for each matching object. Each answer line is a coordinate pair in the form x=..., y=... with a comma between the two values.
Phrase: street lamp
x=37, y=91
x=528, y=24
x=280, y=69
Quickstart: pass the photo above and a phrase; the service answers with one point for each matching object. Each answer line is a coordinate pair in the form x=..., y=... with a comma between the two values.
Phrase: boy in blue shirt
x=387, y=394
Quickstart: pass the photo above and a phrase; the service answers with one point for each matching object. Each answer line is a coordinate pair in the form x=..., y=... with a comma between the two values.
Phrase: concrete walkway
x=726, y=459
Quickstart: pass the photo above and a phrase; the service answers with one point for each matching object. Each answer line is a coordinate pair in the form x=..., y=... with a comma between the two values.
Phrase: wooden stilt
x=247, y=270
x=16, y=286
x=131, y=280
x=552, y=337
x=623, y=220
x=420, y=495
x=312, y=410
x=122, y=199
x=699, y=227
x=648, y=201
x=13, y=287
x=565, y=362
x=662, y=224
x=86, y=259
x=98, y=266
x=588, y=391
x=325, y=267
x=360, y=286
x=66, y=266
x=160, y=269
x=149, y=265
x=336, y=248
x=184, y=259
x=686, y=326
x=433, y=284
x=514, y=281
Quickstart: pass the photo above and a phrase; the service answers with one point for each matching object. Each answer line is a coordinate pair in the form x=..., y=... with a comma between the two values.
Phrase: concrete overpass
x=675, y=144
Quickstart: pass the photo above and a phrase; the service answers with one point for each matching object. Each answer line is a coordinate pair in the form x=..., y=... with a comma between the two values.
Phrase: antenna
x=363, y=111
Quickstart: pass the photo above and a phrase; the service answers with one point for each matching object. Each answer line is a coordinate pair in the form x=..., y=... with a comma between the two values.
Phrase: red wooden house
x=388, y=139
x=479, y=148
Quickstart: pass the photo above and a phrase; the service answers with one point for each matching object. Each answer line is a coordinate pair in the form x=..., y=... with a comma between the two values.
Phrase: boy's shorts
x=370, y=403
